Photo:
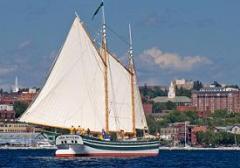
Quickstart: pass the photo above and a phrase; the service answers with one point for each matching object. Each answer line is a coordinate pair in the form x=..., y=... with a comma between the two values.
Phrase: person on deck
x=72, y=130
x=88, y=131
x=80, y=130
x=105, y=135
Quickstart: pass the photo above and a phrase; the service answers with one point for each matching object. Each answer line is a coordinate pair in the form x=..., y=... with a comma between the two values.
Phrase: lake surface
x=166, y=159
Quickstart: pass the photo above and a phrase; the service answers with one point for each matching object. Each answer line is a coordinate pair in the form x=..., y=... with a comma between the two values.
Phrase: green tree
x=220, y=114
x=208, y=138
x=152, y=124
x=19, y=108
x=158, y=107
x=170, y=105
x=175, y=116
x=232, y=86
x=144, y=90
x=183, y=92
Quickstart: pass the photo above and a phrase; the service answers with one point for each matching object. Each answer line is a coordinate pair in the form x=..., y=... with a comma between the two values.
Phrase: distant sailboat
x=89, y=88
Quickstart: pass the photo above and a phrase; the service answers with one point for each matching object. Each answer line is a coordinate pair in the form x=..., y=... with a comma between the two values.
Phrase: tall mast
x=105, y=58
x=132, y=70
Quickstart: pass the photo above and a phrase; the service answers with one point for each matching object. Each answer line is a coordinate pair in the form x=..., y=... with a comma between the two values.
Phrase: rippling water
x=166, y=159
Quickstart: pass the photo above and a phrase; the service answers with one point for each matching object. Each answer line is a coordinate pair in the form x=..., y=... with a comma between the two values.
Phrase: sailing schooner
x=89, y=88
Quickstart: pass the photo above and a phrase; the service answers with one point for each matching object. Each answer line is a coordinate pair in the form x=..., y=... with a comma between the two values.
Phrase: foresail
x=120, y=115
x=73, y=92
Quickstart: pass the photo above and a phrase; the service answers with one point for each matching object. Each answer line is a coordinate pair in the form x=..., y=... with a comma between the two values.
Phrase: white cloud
x=6, y=70
x=172, y=61
x=24, y=44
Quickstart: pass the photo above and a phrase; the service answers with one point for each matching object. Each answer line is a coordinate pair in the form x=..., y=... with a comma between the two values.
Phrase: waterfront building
x=27, y=139
x=7, y=112
x=15, y=127
x=180, y=132
x=234, y=129
x=176, y=132
x=216, y=98
x=168, y=133
x=194, y=129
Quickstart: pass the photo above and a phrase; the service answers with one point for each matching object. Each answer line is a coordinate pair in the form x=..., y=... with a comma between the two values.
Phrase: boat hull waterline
x=75, y=145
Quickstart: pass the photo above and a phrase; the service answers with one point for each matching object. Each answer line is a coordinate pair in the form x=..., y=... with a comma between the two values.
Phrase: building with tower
x=15, y=87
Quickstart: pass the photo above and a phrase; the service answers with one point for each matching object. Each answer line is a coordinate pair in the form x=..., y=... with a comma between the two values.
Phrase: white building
x=171, y=92
x=183, y=83
x=6, y=107
x=15, y=87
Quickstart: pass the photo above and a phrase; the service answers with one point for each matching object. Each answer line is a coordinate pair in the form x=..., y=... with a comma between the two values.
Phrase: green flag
x=97, y=10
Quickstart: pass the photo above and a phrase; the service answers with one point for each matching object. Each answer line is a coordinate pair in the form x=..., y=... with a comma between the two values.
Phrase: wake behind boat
x=89, y=89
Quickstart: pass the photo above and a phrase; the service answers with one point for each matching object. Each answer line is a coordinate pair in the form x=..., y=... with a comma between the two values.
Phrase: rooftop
x=177, y=99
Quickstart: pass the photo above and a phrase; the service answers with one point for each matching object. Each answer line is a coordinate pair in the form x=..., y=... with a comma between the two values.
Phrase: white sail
x=120, y=99
x=141, y=122
x=73, y=94
x=120, y=117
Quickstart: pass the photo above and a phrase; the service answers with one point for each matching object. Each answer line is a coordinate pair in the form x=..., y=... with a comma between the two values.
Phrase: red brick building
x=147, y=107
x=182, y=130
x=193, y=133
x=6, y=112
x=8, y=99
x=26, y=97
x=211, y=99
x=177, y=132
x=186, y=108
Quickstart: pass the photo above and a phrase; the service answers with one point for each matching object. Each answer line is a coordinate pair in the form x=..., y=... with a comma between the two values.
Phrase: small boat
x=91, y=89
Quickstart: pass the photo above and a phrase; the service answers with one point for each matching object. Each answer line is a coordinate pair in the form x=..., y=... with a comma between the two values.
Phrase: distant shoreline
x=26, y=148
x=160, y=148
x=202, y=149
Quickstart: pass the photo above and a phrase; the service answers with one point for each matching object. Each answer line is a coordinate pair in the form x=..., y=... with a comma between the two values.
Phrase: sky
x=172, y=39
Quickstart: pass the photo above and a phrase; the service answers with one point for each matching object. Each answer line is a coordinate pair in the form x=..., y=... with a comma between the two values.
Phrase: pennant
x=97, y=10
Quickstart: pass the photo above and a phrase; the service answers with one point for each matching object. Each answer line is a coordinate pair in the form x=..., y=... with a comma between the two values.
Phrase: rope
x=121, y=38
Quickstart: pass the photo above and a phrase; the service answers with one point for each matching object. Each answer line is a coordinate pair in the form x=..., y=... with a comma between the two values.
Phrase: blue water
x=166, y=159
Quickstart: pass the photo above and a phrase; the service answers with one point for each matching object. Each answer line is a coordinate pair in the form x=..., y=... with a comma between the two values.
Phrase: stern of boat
x=69, y=145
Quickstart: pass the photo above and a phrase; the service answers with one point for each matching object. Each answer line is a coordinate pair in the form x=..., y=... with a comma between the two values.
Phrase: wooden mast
x=105, y=58
x=131, y=68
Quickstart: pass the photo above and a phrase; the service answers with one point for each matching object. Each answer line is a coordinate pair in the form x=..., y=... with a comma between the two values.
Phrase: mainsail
x=120, y=96
x=73, y=94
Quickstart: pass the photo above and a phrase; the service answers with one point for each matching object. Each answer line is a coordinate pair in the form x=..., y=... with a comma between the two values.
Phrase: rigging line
x=119, y=36
x=97, y=35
